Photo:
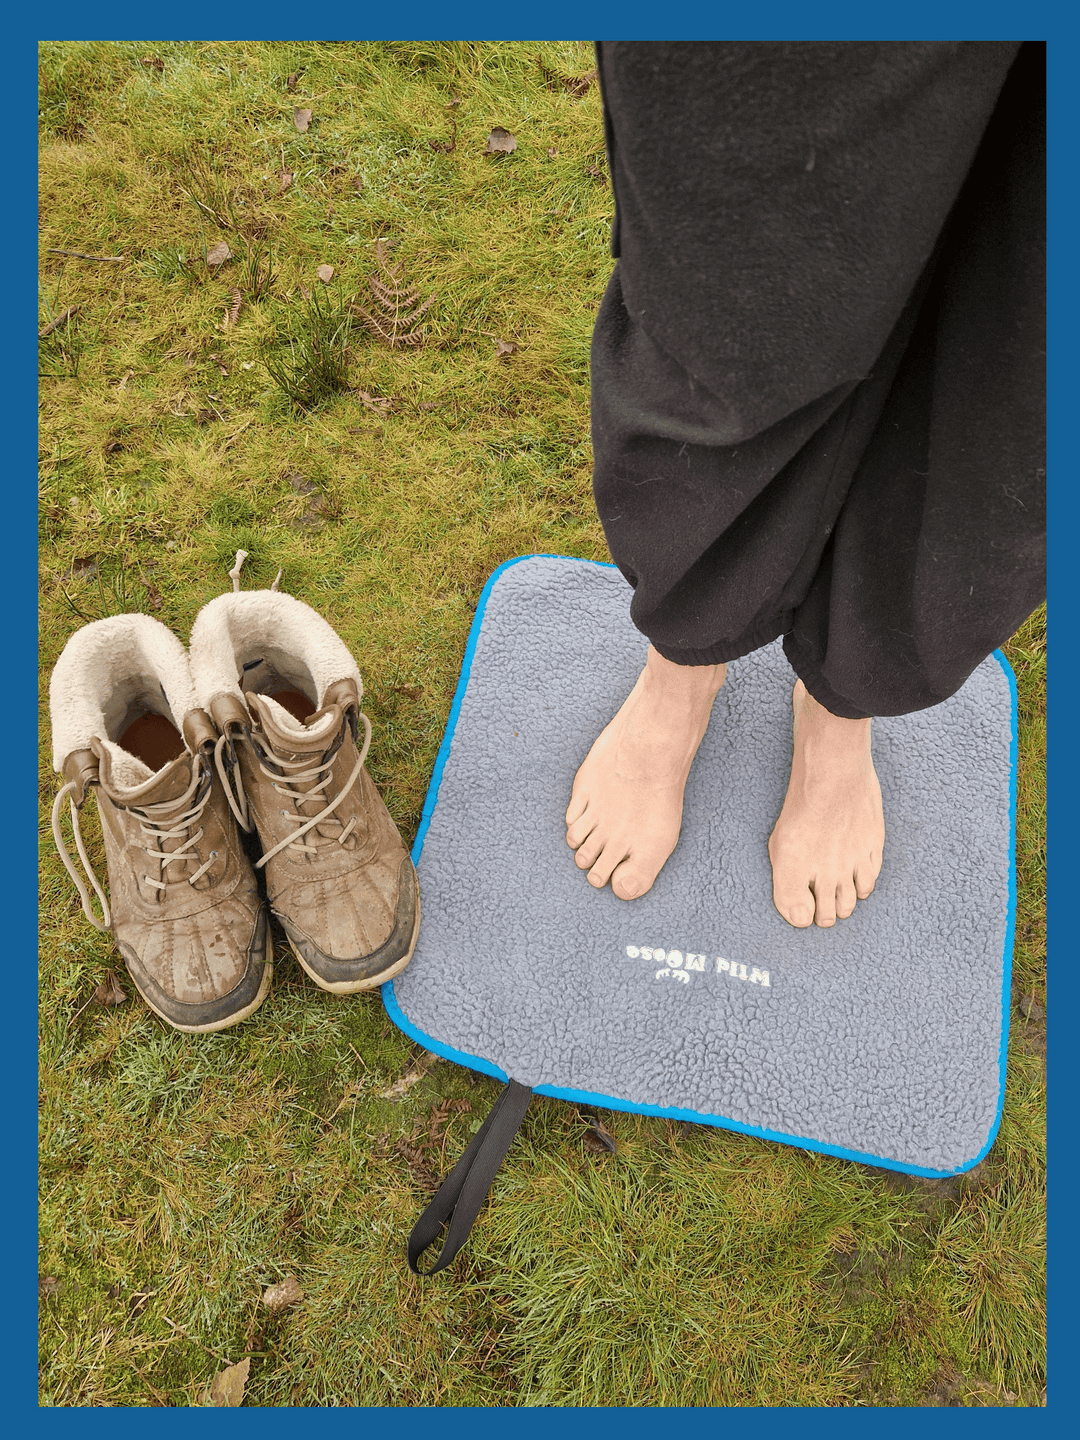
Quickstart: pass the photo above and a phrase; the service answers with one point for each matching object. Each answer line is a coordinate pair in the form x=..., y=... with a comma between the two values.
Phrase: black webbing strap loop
x=461, y=1194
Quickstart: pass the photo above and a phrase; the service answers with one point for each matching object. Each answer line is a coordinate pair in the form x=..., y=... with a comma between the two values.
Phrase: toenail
x=629, y=888
x=595, y=880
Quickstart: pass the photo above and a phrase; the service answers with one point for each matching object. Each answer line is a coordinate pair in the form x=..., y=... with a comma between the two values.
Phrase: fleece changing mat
x=881, y=1040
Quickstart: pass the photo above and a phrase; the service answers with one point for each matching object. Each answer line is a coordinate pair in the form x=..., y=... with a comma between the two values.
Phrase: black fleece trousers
x=818, y=370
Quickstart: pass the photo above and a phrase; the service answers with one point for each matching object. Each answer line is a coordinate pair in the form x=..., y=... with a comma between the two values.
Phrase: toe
x=580, y=830
x=601, y=872
x=845, y=899
x=866, y=873
x=795, y=904
x=588, y=852
x=824, y=905
x=577, y=806
x=628, y=883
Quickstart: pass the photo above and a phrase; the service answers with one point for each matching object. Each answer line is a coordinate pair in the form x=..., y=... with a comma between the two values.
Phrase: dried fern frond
x=397, y=310
x=576, y=85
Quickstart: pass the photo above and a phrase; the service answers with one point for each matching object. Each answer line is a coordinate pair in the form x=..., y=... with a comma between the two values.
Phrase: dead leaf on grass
x=504, y=349
x=227, y=1389
x=47, y=1285
x=153, y=596
x=595, y=172
x=454, y=100
x=217, y=256
x=325, y=273
x=285, y=179
x=441, y=1113
x=153, y=62
x=420, y=1169
x=409, y=1079
x=378, y=404
x=290, y=83
x=286, y=1292
x=109, y=991
x=552, y=152
x=499, y=142
x=446, y=147
x=301, y=119
x=126, y=378
x=596, y=1137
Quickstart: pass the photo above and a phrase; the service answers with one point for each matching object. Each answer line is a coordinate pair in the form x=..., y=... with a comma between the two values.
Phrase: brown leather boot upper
x=191, y=928
x=344, y=888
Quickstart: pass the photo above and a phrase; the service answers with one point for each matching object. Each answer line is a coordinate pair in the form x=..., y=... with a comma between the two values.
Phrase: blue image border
x=611, y=1102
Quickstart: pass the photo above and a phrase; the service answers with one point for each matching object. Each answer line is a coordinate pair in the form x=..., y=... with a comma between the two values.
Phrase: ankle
x=686, y=682
x=813, y=723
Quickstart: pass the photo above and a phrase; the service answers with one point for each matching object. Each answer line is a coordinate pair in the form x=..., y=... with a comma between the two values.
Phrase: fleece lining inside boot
x=112, y=674
x=265, y=642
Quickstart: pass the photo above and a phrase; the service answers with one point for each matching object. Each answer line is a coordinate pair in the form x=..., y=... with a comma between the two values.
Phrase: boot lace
x=315, y=777
x=159, y=822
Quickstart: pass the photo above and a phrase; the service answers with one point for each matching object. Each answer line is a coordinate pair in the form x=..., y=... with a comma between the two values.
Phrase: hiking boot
x=285, y=693
x=183, y=905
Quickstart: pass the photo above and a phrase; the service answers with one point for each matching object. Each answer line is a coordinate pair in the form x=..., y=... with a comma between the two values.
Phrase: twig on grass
x=79, y=255
x=61, y=319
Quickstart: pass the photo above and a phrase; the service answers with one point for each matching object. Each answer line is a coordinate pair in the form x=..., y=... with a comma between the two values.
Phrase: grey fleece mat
x=882, y=1039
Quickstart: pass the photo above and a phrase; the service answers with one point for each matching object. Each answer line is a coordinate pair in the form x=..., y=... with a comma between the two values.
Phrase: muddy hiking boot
x=183, y=903
x=285, y=693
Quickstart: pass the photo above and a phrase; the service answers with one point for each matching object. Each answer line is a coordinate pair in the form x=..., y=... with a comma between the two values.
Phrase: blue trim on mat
x=610, y=1102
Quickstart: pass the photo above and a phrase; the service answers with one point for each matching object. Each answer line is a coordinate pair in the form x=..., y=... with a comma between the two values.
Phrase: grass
x=181, y=1175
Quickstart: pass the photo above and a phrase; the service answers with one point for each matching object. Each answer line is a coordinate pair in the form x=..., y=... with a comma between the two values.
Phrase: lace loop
x=159, y=822
x=69, y=864
x=295, y=771
x=232, y=782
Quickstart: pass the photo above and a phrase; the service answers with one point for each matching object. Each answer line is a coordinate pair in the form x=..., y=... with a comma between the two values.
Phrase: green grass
x=181, y=1175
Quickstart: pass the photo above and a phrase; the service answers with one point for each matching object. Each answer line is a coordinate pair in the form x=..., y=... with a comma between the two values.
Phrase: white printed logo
x=677, y=965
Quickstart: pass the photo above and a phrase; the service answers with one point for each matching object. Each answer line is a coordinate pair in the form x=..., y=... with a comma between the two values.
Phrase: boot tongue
x=128, y=781
x=291, y=738
x=175, y=782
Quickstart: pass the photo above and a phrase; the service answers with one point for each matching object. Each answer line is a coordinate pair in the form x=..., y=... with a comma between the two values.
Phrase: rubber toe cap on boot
x=346, y=975
x=214, y=1011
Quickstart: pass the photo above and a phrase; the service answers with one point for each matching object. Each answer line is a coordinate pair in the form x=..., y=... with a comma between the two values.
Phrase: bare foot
x=826, y=846
x=625, y=809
